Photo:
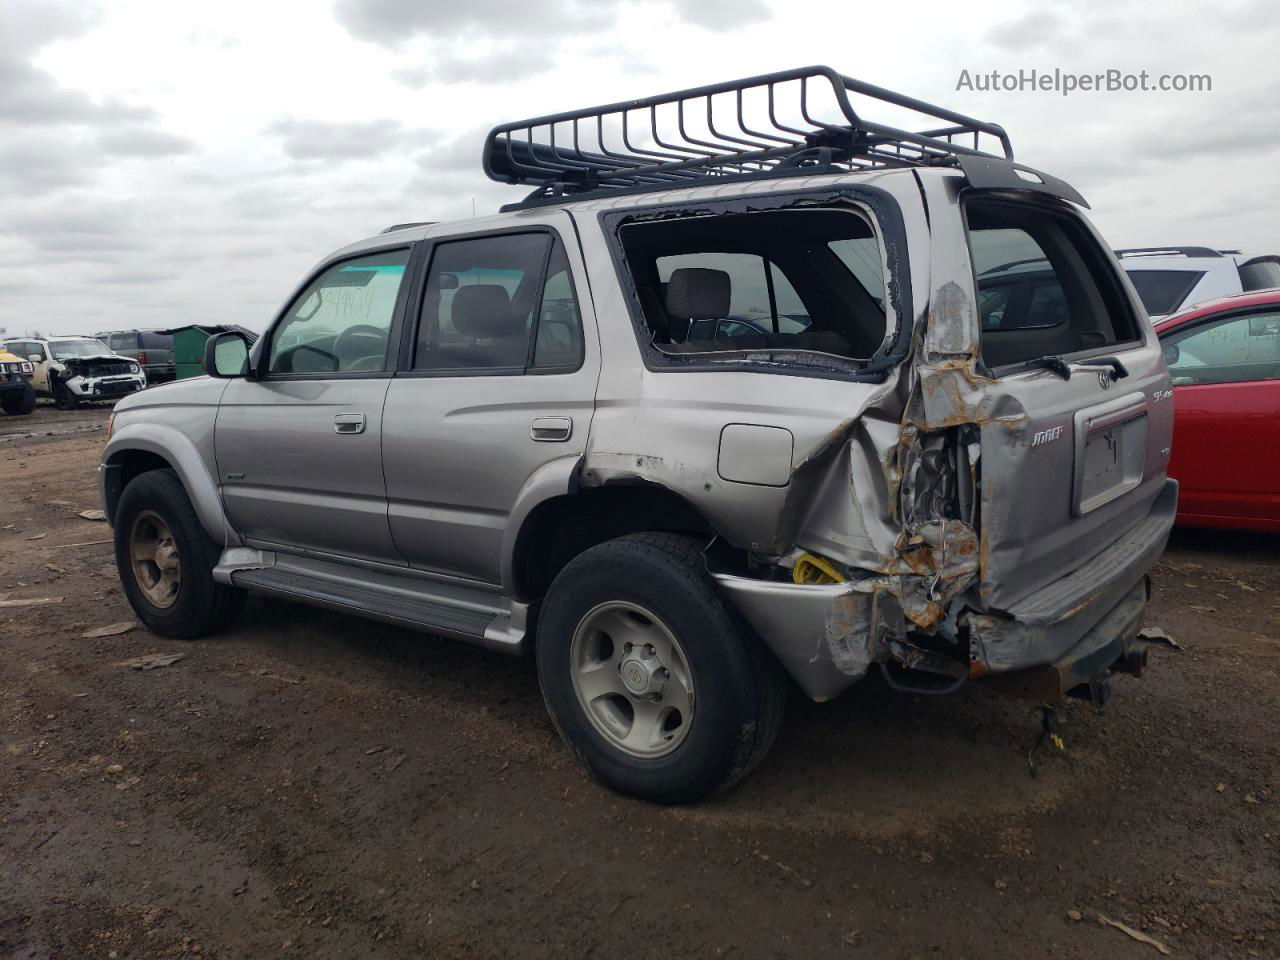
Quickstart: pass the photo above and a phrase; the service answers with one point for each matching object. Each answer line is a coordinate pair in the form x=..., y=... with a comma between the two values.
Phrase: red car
x=1225, y=359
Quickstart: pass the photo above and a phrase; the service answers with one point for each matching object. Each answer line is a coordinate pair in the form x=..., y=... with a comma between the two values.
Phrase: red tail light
x=142, y=357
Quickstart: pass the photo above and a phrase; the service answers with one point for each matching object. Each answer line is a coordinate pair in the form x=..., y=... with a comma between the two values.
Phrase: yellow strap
x=810, y=568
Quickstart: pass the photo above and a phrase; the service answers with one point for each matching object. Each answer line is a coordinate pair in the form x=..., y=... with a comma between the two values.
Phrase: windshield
x=64, y=349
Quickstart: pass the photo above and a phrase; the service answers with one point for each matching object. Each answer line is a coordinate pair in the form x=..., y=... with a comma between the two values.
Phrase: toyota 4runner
x=748, y=388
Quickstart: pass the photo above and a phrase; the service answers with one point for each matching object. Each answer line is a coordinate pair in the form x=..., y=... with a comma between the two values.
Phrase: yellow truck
x=17, y=398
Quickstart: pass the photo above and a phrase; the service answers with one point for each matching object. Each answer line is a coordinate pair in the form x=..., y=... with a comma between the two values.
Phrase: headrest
x=695, y=293
x=484, y=311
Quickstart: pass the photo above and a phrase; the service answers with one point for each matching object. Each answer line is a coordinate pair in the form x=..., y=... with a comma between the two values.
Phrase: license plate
x=1111, y=452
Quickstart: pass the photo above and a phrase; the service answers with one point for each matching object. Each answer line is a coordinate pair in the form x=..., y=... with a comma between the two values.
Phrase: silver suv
x=724, y=406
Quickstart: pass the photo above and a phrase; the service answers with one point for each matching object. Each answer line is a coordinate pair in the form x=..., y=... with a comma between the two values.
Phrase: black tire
x=63, y=398
x=740, y=691
x=202, y=605
x=19, y=404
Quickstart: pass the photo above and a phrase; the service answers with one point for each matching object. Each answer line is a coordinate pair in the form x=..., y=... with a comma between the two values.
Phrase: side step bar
x=464, y=613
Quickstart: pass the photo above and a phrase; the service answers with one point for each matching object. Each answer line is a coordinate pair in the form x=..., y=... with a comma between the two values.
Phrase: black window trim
x=1107, y=263
x=409, y=334
x=262, y=360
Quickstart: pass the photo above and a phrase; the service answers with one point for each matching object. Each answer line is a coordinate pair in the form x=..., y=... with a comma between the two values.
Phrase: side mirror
x=1171, y=354
x=226, y=355
x=35, y=358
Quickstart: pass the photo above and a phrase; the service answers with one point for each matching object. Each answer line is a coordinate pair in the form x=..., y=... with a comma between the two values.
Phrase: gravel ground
x=312, y=785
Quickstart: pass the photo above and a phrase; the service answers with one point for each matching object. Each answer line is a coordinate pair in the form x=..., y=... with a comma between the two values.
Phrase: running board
x=464, y=613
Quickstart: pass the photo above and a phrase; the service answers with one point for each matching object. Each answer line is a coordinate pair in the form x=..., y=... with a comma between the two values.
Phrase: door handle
x=551, y=429
x=348, y=423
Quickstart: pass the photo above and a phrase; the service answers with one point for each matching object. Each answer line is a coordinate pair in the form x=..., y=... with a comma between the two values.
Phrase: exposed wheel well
x=560, y=529
x=129, y=464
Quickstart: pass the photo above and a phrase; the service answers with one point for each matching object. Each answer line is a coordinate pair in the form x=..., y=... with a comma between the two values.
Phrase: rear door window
x=1044, y=285
x=1163, y=291
x=499, y=304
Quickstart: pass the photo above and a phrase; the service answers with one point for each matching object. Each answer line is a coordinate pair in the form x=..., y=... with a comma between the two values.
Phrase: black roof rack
x=1172, y=252
x=775, y=123
x=405, y=226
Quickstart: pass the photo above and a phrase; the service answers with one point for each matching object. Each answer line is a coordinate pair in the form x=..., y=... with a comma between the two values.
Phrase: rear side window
x=502, y=303
x=788, y=280
x=1045, y=287
x=1232, y=350
x=1163, y=291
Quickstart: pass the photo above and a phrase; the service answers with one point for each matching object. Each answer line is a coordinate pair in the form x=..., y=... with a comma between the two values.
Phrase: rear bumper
x=160, y=373
x=1069, y=633
x=1044, y=627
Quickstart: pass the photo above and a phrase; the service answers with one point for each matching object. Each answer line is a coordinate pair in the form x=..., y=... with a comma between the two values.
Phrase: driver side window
x=342, y=322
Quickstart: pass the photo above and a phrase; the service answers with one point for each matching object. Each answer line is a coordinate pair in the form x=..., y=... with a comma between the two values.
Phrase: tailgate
x=1082, y=459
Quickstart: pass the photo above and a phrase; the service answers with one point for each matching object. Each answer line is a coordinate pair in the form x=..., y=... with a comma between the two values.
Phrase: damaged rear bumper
x=1066, y=634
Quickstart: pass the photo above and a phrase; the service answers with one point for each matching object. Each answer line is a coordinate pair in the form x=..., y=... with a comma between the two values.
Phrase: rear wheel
x=166, y=560
x=651, y=678
x=19, y=403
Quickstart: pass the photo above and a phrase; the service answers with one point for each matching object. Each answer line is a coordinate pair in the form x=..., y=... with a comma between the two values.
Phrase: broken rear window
x=789, y=280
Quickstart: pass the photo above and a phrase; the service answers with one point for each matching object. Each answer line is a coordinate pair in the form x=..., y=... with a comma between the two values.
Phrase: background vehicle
x=152, y=349
x=17, y=397
x=1169, y=279
x=551, y=430
x=1224, y=356
x=75, y=370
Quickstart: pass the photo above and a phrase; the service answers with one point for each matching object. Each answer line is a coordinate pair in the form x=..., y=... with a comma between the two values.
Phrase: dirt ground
x=313, y=785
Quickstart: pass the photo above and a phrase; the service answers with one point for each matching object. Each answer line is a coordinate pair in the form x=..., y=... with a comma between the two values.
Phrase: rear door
x=1226, y=383
x=1075, y=449
x=497, y=391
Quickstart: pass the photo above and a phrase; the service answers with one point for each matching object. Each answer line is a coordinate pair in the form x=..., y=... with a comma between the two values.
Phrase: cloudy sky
x=180, y=162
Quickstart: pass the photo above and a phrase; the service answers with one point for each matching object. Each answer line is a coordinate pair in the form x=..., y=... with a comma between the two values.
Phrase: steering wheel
x=347, y=337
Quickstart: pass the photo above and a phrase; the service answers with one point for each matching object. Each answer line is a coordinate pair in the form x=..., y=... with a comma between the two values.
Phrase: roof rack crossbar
x=683, y=138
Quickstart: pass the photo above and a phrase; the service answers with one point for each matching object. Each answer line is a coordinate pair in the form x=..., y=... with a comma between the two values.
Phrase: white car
x=75, y=370
x=1169, y=279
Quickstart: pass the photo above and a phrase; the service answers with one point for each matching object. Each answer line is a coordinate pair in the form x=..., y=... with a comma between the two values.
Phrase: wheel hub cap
x=157, y=565
x=632, y=678
x=643, y=673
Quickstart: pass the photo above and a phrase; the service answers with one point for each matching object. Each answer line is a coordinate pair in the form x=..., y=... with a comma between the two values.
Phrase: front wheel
x=651, y=678
x=166, y=560
x=63, y=398
x=19, y=404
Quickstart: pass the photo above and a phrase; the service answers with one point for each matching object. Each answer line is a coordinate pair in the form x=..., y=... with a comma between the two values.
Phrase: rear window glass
x=156, y=341
x=1045, y=287
x=800, y=281
x=1259, y=275
x=1163, y=291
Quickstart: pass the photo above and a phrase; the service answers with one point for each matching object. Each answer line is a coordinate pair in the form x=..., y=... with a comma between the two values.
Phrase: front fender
x=180, y=452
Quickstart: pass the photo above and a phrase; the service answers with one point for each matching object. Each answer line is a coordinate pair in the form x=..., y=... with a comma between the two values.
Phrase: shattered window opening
x=769, y=285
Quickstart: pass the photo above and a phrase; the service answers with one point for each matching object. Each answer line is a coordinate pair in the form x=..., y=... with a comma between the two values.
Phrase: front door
x=500, y=382
x=1226, y=384
x=299, y=449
